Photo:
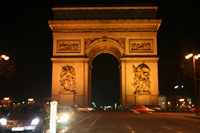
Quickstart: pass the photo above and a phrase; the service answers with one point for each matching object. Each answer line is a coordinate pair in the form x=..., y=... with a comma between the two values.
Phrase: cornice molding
x=75, y=26
x=105, y=8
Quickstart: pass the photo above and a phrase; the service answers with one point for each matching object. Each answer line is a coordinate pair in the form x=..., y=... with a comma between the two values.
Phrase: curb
x=195, y=117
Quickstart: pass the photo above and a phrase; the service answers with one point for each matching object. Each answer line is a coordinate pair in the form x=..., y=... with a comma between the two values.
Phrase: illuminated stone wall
x=77, y=42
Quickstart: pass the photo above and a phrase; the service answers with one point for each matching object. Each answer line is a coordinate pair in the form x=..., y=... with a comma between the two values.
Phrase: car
x=141, y=109
x=65, y=115
x=155, y=108
x=193, y=109
x=84, y=109
x=27, y=117
x=5, y=110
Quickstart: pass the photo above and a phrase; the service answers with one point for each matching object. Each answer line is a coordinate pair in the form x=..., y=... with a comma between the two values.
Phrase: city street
x=128, y=122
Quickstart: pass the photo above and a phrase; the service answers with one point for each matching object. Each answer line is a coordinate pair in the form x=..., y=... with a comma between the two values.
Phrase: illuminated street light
x=194, y=68
x=6, y=99
x=197, y=56
x=188, y=56
x=4, y=57
x=30, y=99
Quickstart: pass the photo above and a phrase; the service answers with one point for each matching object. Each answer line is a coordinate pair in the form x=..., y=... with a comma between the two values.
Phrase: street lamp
x=195, y=86
x=6, y=99
x=4, y=57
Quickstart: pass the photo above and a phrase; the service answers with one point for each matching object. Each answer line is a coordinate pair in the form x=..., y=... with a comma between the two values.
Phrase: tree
x=188, y=69
x=7, y=67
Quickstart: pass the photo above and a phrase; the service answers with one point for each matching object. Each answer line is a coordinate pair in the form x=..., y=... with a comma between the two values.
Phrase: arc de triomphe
x=82, y=33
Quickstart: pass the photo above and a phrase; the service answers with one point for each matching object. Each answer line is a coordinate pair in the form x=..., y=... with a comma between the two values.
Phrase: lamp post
x=4, y=57
x=6, y=99
x=194, y=68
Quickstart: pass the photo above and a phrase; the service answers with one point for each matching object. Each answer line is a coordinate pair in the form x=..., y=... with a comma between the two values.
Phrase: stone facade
x=131, y=40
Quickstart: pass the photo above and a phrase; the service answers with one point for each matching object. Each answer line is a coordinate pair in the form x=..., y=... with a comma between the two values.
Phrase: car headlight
x=65, y=117
x=35, y=121
x=3, y=121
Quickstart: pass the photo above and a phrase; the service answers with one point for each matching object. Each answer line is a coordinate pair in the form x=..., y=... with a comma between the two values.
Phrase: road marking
x=82, y=120
x=92, y=123
x=167, y=127
x=129, y=128
x=170, y=129
x=67, y=128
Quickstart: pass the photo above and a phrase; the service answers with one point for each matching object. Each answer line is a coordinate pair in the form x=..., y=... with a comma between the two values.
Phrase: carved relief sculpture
x=141, y=80
x=119, y=40
x=68, y=46
x=67, y=79
x=140, y=46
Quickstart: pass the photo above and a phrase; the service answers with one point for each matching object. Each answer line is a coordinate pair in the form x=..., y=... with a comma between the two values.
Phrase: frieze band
x=68, y=46
x=137, y=45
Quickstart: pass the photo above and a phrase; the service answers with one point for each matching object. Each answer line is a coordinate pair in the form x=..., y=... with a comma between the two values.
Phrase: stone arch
x=104, y=48
x=99, y=34
x=104, y=45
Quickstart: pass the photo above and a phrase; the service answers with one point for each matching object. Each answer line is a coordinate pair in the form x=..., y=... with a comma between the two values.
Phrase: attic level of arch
x=108, y=13
x=104, y=19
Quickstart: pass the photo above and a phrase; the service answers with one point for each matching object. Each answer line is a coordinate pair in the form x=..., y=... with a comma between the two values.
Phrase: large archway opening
x=105, y=85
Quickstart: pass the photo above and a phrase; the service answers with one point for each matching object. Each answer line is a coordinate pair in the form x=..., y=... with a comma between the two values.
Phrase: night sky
x=26, y=37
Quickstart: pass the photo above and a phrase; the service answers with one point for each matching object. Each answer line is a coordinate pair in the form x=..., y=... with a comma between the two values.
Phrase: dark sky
x=26, y=36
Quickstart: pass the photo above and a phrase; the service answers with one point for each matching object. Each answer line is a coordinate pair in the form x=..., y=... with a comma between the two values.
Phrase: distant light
x=3, y=56
x=169, y=102
x=188, y=56
x=197, y=56
x=6, y=98
x=176, y=87
x=30, y=99
x=6, y=58
x=181, y=100
x=182, y=86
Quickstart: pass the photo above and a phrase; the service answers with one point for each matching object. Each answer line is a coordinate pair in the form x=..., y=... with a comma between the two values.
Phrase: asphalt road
x=128, y=122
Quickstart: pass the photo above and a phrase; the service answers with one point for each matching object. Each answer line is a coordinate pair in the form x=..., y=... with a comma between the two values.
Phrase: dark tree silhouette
x=187, y=68
x=7, y=67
